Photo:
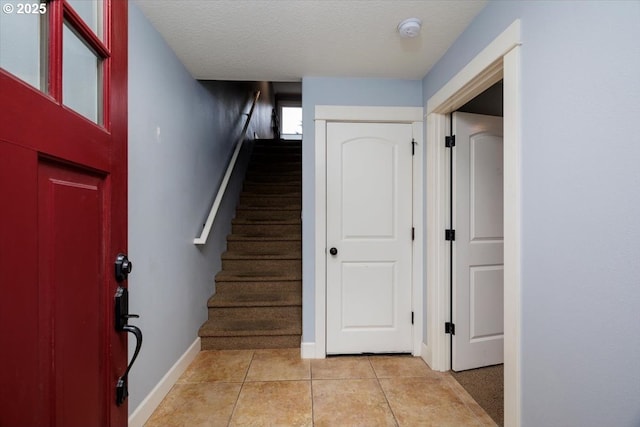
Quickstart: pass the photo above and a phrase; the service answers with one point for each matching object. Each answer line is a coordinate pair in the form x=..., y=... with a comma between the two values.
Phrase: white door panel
x=369, y=220
x=478, y=248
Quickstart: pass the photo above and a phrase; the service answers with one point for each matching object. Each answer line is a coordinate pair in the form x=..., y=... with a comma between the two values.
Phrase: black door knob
x=333, y=251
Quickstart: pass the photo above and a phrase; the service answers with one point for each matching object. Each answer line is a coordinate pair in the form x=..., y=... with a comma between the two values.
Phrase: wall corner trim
x=142, y=413
x=308, y=351
x=425, y=354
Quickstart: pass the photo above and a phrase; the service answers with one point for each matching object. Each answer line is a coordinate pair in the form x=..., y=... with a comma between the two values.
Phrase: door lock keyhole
x=123, y=267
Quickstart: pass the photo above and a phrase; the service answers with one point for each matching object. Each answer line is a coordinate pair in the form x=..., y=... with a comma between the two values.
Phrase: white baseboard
x=426, y=355
x=308, y=351
x=155, y=396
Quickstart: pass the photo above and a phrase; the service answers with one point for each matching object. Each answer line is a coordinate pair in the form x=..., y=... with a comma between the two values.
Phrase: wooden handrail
x=202, y=239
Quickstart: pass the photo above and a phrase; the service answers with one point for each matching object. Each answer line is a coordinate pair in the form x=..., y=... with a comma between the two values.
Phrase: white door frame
x=332, y=113
x=499, y=60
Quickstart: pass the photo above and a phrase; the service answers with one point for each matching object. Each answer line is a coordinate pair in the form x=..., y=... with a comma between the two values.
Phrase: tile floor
x=278, y=388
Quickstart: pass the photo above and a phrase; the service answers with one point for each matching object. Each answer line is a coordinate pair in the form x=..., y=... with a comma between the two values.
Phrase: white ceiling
x=284, y=40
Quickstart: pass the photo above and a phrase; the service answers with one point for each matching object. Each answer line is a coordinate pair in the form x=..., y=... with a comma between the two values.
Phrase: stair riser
x=266, y=204
x=290, y=286
x=278, y=163
x=267, y=214
x=270, y=230
x=257, y=277
x=279, y=187
x=270, y=200
x=250, y=343
x=290, y=157
x=274, y=174
x=277, y=156
x=291, y=191
x=261, y=245
x=273, y=180
x=288, y=313
x=274, y=198
x=272, y=168
x=255, y=266
x=277, y=143
x=262, y=148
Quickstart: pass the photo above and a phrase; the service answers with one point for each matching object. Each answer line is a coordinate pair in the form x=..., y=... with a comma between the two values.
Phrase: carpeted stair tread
x=273, y=175
x=272, y=186
x=246, y=298
x=267, y=214
x=265, y=206
x=285, y=197
x=250, y=210
x=263, y=254
x=266, y=221
x=249, y=327
x=259, y=236
x=248, y=286
x=262, y=191
x=261, y=276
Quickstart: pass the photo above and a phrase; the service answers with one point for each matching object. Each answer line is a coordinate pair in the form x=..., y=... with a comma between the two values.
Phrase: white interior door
x=478, y=248
x=369, y=224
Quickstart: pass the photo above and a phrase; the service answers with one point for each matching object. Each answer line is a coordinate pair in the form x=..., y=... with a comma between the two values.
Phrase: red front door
x=63, y=210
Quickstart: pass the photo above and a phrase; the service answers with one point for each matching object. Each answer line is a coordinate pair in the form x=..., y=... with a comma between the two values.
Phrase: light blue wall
x=580, y=204
x=181, y=135
x=335, y=91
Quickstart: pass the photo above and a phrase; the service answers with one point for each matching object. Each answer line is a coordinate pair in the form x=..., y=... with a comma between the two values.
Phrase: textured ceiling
x=284, y=40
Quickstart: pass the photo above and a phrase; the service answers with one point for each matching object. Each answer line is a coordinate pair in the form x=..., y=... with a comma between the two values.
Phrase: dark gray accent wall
x=181, y=135
x=580, y=335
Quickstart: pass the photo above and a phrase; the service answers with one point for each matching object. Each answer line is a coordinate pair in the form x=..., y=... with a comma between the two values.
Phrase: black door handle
x=122, y=390
x=121, y=317
x=333, y=251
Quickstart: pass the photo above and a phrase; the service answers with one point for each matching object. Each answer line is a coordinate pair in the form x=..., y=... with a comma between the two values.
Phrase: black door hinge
x=450, y=141
x=413, y=233
x=413, y=147
x=449, y=328
x=412, y=317
x=450, y=235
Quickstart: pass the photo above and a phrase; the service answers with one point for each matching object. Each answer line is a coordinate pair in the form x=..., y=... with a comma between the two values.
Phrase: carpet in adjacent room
x=486, y=386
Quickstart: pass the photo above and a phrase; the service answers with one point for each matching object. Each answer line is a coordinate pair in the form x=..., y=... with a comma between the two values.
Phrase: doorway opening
x=476, y=253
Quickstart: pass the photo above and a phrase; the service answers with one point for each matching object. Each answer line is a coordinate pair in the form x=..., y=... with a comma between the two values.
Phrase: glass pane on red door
x=81, y=76
x=91, y=13
x=23, y=41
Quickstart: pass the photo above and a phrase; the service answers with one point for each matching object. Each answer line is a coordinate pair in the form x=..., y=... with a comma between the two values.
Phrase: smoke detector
x=409, y=28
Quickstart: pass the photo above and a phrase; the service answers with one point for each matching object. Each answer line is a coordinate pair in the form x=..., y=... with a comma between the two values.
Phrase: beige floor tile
x=192, y=405
x=350, y=403
x=254, y=388
x=218, y=365
x=401, y=366
x=484, y=419
x=274, y=403
x=426, y=402
x=343, y=367
x=278, y=365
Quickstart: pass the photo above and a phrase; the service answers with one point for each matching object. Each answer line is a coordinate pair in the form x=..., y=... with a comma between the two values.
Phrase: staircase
x=258, y=299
